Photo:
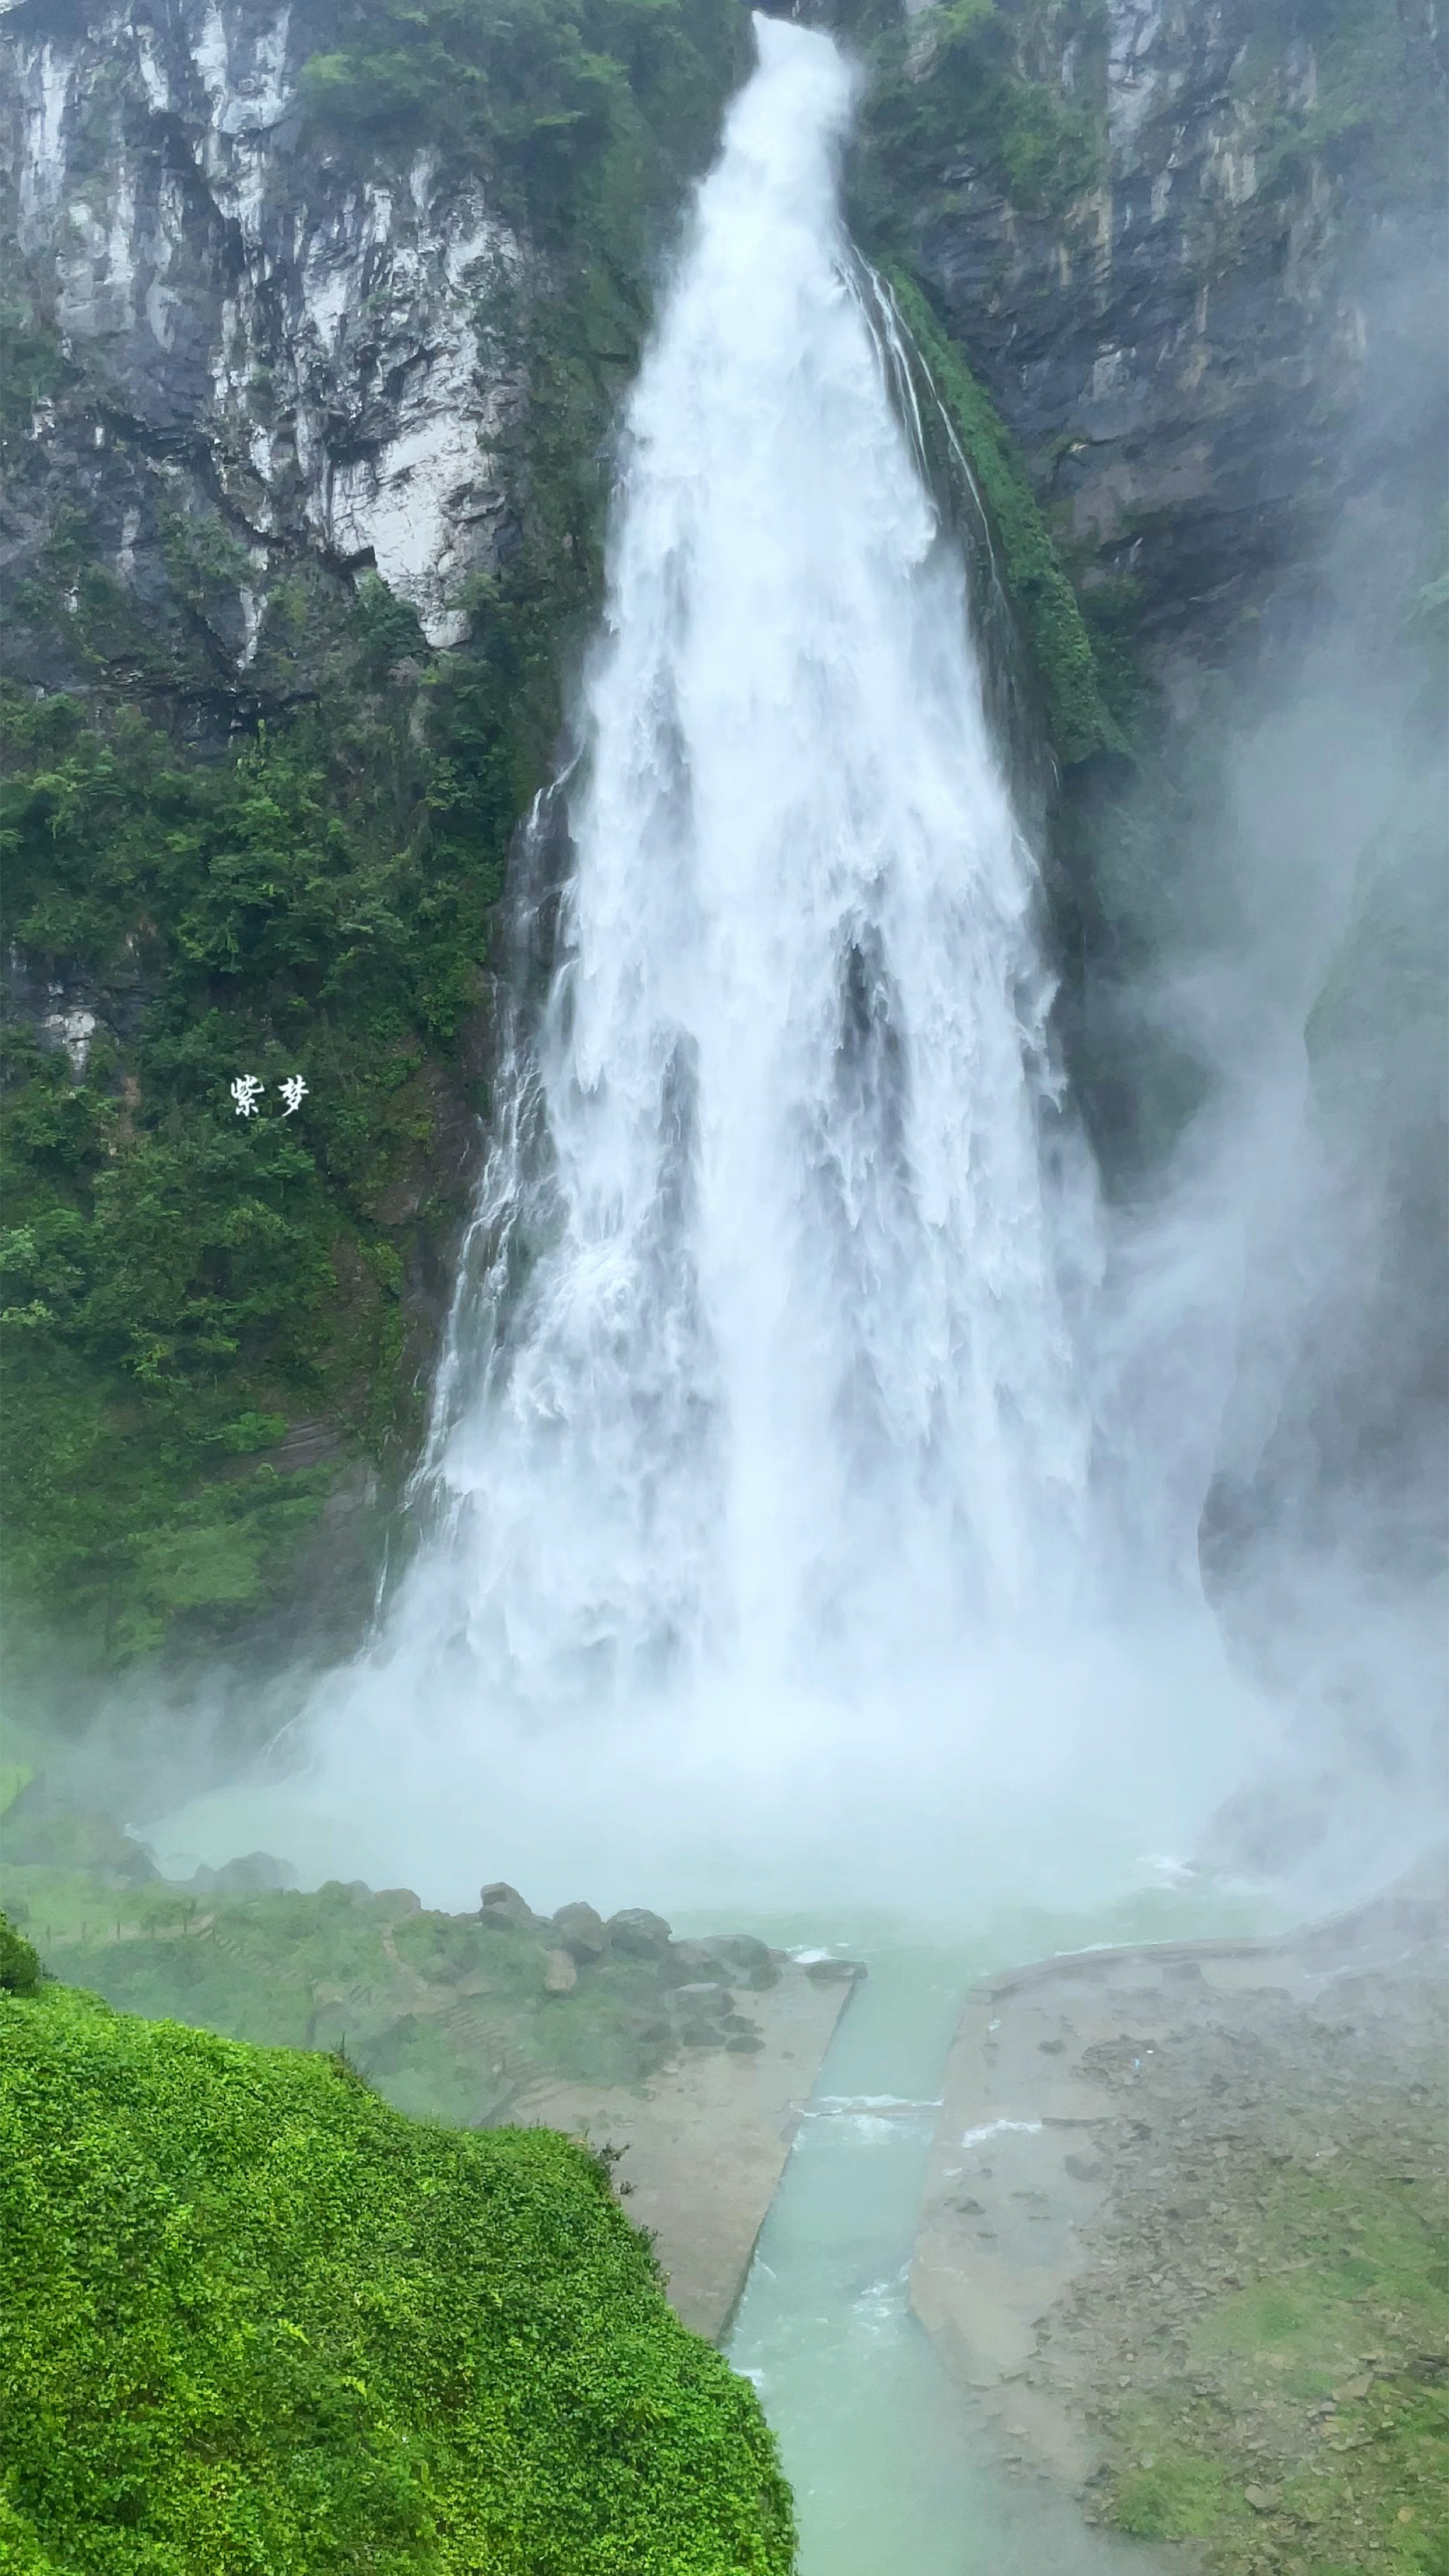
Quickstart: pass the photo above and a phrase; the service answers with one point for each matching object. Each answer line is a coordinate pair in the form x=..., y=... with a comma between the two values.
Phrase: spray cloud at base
x=813, y=1491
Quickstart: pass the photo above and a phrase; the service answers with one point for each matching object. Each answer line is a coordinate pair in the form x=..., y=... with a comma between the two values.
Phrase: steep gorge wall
x=1185, y=245
x=1194, y=253
x=316, y=324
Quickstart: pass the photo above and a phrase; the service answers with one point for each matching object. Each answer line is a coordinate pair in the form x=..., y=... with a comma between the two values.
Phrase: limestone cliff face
x=1191, y=288
x=1177, y=293
x=314, y=321
x=260, y=338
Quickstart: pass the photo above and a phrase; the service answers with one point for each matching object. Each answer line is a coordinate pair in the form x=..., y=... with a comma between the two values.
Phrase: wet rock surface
x=701, y=2144
x=1199, y=330
x=1185, y=2237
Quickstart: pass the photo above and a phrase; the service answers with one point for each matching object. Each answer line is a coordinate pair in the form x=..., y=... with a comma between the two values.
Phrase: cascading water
x=758, y=1501
x=775, y=1374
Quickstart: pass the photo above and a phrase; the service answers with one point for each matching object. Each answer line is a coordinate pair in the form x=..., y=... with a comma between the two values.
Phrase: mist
x=1281, y=1287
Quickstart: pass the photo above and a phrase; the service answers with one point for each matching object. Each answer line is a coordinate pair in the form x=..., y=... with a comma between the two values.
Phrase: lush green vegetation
x=182, y=1285
x=254, y=2319
x=450, y=2017
x=571, y=106
x=974, y=88
x=19, y=1961
x=179, y=1281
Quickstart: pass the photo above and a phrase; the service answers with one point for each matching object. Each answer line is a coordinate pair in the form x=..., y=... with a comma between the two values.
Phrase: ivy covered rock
x=254, y=2319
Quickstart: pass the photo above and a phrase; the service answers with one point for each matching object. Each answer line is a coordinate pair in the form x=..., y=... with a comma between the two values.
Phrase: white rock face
x=321, y=331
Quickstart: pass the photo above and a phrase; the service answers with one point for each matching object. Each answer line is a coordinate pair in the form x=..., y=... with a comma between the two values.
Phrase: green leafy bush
x=975, y=87
x=253, y=2319
x=19, y=1963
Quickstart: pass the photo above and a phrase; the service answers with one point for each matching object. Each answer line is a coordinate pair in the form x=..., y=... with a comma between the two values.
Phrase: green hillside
x=253, y=2320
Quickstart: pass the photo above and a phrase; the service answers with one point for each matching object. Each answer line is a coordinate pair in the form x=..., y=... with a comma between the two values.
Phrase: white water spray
x=789, y=1373
x=759, y=1440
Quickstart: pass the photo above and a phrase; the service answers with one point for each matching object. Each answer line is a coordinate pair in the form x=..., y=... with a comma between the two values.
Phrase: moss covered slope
x=254, y=2320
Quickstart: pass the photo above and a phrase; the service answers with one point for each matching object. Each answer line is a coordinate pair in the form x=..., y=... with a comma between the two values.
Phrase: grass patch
x=1171, y=2494
x=448, y=2017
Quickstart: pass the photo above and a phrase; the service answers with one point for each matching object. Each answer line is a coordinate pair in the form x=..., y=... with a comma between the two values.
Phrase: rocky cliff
x=1190, y=250
x=268, y=343
x=316, y=322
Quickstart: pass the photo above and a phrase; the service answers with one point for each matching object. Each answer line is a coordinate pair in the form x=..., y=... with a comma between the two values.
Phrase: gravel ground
x=1234, y=2164
x=1264, y=2318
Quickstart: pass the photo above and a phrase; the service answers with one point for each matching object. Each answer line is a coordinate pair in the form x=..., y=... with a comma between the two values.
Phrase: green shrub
x=977, y=85
x=251, y=2319
x=19, y=1963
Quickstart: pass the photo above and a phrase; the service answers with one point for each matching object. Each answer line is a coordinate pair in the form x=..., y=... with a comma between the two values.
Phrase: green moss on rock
x=1080, y=720
x=254, y=2319
x=975, y=85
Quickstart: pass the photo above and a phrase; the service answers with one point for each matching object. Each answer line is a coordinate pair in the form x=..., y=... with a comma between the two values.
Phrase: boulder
x=581, y=1931
x=635, y=1933
x=689, y=1960
x=254, y=1874
x=735, y=1956
x=501, y=1905
x=40, y=1830
x=560, y=1976
x=753, y=1961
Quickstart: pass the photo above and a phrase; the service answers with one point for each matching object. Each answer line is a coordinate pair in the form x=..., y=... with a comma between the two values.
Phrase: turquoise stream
x=892, y=2475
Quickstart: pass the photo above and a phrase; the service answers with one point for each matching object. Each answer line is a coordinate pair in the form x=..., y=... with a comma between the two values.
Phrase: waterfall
x=760, y=1440
x=762, y=1356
